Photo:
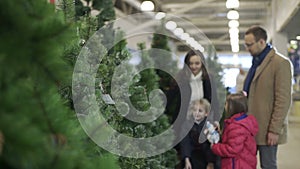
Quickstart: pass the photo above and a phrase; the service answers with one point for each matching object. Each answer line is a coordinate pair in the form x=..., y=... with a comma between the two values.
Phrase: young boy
x=197, y=155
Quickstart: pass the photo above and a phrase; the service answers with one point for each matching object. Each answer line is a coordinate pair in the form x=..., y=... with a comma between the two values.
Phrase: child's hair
x=202, y=102
x=236, y=103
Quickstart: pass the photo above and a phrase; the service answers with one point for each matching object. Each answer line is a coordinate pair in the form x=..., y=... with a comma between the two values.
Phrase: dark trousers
x=268, y=156
x=200, y=160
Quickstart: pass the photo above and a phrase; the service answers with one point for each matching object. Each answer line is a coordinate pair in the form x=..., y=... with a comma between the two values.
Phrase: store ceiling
x=209, y=16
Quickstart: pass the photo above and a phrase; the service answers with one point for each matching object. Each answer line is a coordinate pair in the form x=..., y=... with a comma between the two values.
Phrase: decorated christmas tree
x=37, y=129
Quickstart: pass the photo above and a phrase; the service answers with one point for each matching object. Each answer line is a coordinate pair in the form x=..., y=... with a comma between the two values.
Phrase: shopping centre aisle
x=289, y=154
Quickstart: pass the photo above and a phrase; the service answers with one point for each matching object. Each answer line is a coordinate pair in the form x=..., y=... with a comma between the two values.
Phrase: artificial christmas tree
x=105, y=51
x=219, y=91
x=160, y=41
x=133, y=94
x=1, y=142
x=164, y=60
x=38, y=130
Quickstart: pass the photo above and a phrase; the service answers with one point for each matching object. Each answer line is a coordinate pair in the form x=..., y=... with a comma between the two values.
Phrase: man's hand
x=272, y=139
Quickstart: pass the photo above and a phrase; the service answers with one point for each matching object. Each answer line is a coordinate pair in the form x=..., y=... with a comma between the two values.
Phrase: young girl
x=238, y=146
x=196, y=155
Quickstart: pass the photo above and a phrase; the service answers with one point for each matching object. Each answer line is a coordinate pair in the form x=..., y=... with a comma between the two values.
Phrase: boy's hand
x=187, y=164
x=211, y=132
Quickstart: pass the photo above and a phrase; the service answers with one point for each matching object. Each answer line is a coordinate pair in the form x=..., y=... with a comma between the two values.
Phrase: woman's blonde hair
x=202, y=102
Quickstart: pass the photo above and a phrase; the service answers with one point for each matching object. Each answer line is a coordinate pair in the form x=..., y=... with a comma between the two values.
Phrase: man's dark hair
x=258, y=32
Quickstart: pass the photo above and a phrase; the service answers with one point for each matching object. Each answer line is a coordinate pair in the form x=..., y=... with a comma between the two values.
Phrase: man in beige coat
x=268, y=87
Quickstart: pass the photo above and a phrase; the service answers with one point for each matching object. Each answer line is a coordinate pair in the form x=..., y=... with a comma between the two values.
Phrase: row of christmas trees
x=39, y=128
x=38, y=125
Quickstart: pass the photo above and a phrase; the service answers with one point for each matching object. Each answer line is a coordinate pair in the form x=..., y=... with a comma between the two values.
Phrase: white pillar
x=280, y=42
x=275, y=35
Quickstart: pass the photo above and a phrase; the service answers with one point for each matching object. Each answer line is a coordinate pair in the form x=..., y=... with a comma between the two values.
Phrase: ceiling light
x=231, y=4
x=233, y=30
x=171, y=25
x=200, y=48
x=235, y=49
x=293, y=42
x=233, y=24
x=184, y=36
x=191, y=40
x=233, y=14
x=298, y=37
x=160, y=15
x=147, y=6
x=235, y=59
x=234, y=42
x=234, y=36
x=178, y=31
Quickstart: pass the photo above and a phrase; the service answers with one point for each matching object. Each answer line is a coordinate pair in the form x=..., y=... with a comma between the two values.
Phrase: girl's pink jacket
x=238, y=146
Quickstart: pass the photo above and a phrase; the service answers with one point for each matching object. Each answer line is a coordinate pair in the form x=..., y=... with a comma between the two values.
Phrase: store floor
x=288, y=155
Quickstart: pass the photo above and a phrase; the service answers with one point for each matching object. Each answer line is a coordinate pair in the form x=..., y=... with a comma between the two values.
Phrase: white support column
x=279, y=39
x=280, y=42
x=285, y=10
x=271, y=20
